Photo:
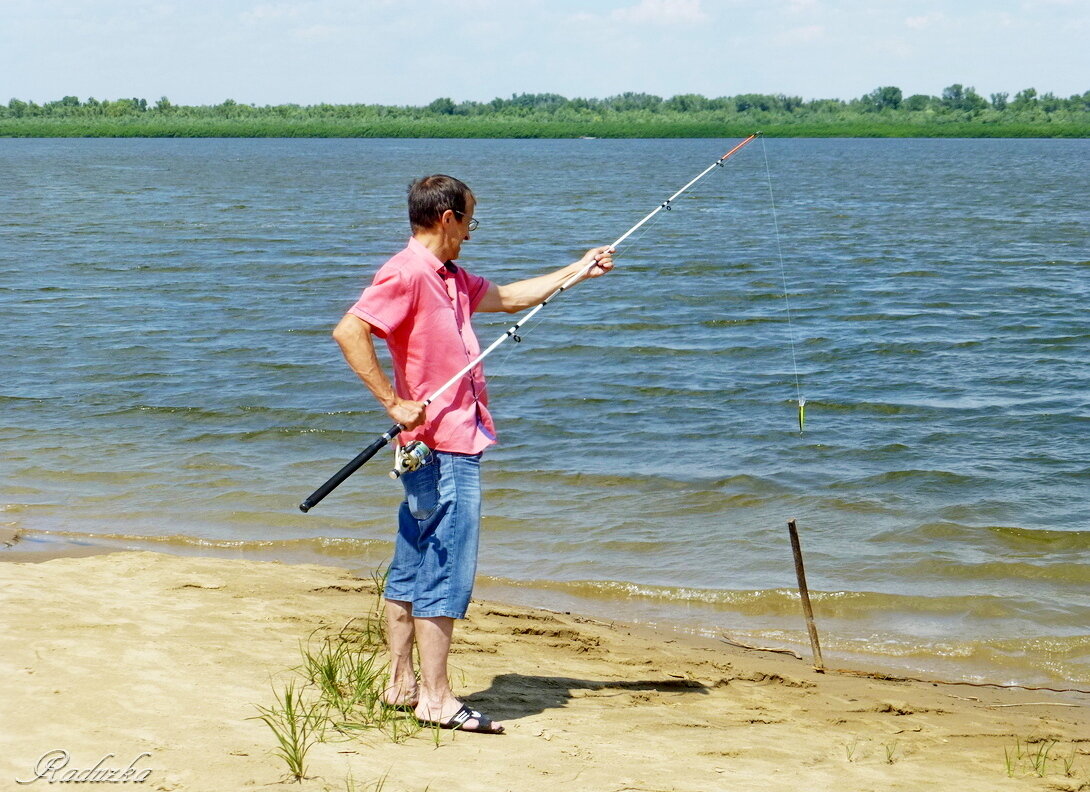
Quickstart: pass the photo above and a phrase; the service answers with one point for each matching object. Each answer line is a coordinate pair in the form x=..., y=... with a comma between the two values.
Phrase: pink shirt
x=423, y=311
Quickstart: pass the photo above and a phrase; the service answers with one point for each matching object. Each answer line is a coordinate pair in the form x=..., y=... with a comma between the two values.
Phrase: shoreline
x=137, y=651
x=41, y=547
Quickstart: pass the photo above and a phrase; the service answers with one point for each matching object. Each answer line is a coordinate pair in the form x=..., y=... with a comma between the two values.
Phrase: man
x=420, y=303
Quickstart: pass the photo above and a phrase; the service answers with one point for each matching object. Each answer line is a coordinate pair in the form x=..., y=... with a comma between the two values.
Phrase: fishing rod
x=512, y=332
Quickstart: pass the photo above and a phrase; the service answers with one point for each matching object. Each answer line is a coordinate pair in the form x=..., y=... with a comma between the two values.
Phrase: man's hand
x=409, y=414
x=601, y=258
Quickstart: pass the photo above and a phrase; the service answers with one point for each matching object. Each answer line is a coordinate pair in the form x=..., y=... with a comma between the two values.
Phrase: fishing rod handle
x=359, y=461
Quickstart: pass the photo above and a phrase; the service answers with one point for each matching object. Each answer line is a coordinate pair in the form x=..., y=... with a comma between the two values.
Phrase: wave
x=1005, y=572
x=1051, y=540
x=841, y=605
x=1029, y=540
x=917, y=480
x=334, y=546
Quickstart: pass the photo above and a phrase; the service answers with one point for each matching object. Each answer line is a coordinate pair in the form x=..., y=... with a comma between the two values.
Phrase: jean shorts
x=435, y=554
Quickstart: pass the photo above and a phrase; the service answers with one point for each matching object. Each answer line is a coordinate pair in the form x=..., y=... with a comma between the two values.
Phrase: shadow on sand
x=514, y=696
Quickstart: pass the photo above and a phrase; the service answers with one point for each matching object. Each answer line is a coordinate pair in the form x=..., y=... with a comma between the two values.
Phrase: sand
x=155, y=662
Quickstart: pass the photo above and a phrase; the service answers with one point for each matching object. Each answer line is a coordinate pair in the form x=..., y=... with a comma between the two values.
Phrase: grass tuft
x=891, y=749
x=295, y=722
x=350, y=784
x=336, y=691
x=1038, y=757
x=850, y=748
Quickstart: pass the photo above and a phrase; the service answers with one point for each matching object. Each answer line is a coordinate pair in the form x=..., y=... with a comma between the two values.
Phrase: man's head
x=441, y=213
x=430, y=196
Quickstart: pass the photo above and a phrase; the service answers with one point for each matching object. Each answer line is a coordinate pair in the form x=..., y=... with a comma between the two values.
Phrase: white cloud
x=891, y=47
x=317, y=32
x=268, y=12
x=801, y=6
x=670, y=12
x=801, y=35
x=924, y=20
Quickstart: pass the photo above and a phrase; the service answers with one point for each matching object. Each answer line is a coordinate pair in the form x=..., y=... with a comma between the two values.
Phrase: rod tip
x=304, y=508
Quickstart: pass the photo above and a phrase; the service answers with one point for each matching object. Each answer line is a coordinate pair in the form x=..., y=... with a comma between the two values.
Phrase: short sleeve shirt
x=422, y=308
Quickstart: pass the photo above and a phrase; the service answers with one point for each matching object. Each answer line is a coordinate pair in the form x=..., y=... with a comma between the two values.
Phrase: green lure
x=802, y=414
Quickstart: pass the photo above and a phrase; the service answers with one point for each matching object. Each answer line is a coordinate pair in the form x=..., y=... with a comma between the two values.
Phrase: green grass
x=891, y=749
x=335, y=693
x=1038, y=757
x=350, y=784
x=295, y=722
x=348, y=673
x=616, y=126
x=850, y=749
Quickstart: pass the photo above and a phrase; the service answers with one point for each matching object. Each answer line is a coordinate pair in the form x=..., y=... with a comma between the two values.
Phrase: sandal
x=458, y=719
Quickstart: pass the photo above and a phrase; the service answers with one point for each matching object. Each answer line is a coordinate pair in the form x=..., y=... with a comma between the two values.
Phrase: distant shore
x=459, y=127
x=884, y=112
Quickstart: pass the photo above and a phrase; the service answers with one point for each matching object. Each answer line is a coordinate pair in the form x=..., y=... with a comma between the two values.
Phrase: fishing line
x=786, y=297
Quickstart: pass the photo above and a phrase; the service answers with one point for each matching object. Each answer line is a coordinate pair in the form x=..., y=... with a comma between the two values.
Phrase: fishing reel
x=409, y=458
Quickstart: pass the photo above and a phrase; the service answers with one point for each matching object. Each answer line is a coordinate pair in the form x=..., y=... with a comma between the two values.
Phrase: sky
x=409, y=52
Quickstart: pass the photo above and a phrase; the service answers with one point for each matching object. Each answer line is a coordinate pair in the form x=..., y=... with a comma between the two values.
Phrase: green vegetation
x=294, y=722
x=335, y=693
x=1039, y=757
x=884, y=112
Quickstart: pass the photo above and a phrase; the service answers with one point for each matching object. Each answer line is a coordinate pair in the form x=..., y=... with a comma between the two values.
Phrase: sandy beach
x=152, y=664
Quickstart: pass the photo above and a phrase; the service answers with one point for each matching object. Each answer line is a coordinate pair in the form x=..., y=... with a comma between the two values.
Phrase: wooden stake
x=804, y=594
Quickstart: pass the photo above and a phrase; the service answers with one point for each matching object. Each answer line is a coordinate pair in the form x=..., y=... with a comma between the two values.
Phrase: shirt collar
x=429, y=258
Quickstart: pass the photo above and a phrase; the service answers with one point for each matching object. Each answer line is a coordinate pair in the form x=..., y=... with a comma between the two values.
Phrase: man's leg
x=445, y=584
x=437, y=702
x=401, y=586
x=399, y=640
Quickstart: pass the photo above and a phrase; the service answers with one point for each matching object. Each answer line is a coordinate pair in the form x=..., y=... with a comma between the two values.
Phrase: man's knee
x=399, y=610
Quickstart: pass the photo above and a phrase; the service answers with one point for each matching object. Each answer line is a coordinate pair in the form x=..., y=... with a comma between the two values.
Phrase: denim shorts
x=435, y=554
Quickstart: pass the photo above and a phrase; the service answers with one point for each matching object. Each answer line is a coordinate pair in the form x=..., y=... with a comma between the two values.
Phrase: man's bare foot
x=403, y=695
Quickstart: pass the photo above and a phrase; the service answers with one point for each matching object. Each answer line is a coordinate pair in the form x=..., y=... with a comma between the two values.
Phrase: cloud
x=268, y=12
x=669, y=12
x=317, y=32
x=924, y=21
x=801, y=6
x=801, y=35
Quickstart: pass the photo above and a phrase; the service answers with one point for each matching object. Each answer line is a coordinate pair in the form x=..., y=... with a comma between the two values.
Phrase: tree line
x=957, y=102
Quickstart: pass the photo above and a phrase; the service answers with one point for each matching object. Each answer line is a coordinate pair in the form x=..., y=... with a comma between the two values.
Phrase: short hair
x=430, y=196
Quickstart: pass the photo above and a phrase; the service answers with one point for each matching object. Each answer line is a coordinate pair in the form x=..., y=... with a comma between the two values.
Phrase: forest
x=884, y=112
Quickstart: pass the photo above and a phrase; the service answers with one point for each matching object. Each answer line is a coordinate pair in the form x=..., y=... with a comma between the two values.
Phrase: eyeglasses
x=472, y=223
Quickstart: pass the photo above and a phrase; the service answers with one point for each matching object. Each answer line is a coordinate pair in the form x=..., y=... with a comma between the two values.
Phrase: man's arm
x=353, y=335
x=516, y=296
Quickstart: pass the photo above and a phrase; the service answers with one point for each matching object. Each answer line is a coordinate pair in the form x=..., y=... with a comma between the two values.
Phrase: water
x=169, y=380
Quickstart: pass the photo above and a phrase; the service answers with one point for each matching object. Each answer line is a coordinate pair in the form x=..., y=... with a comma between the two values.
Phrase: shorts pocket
x=422, y=489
